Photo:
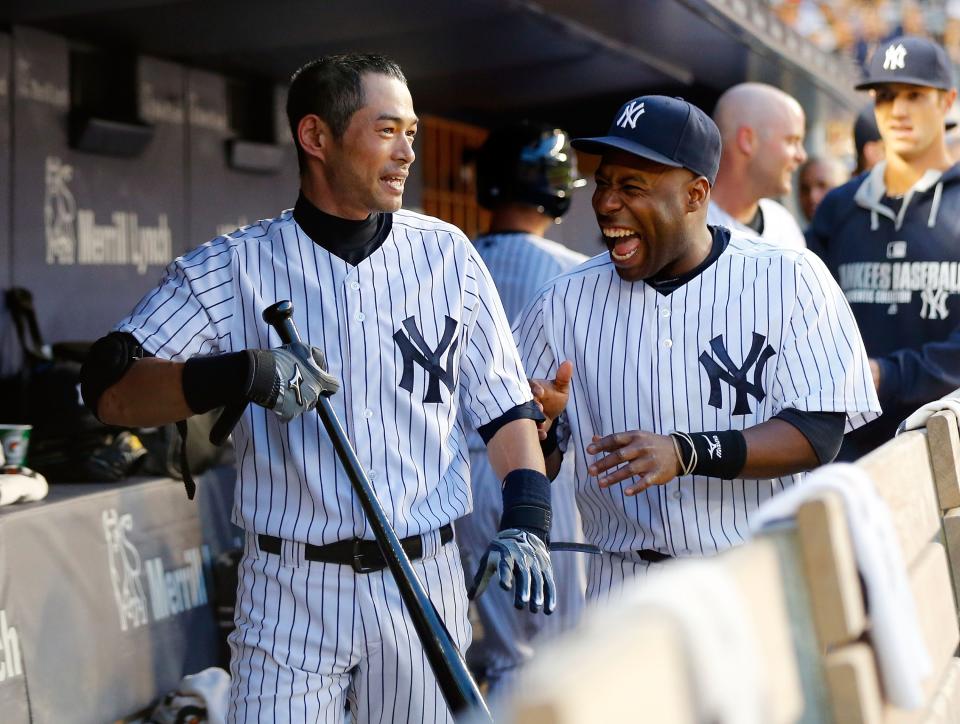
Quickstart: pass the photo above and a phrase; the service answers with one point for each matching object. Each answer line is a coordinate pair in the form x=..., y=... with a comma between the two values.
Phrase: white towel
x=901, y=654
x=720, y=643
x=920, y=417
x=207, y=690
x=23, y=485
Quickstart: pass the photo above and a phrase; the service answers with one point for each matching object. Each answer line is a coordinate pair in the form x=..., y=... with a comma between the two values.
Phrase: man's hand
x=552, y=395
x=290, y=379
x=875, y=371
x=651, y=458
x=521, y=553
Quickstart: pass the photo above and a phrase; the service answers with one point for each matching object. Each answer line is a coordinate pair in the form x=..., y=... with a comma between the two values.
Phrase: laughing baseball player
x=396, y=309
x=699, y=370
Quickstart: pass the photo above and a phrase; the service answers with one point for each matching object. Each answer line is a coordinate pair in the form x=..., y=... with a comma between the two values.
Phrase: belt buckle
x=357, y=560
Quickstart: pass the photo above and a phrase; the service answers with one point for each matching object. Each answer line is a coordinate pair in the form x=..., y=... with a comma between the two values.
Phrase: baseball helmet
x=528, y=162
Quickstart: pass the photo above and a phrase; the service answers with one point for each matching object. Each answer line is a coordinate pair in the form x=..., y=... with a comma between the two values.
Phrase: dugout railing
x=805, y=605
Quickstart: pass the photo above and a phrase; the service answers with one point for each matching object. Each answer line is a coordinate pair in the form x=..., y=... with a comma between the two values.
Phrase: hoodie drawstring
x=935, y=206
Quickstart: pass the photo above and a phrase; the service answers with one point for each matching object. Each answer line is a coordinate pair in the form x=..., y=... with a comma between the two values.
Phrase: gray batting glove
x=290, y=379
x=521, y=553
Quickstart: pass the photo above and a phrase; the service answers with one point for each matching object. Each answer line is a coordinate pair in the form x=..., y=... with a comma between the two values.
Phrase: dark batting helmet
x=530, y=163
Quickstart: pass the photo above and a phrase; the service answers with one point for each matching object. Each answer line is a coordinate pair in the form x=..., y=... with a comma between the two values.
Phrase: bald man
x=762, y=129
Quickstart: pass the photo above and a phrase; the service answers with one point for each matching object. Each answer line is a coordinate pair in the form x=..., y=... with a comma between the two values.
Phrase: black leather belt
x=363, y=556
x=652, y=556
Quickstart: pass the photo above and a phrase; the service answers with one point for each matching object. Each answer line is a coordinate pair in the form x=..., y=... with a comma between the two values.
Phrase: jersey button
x=678, y=494
x=664, y=312
x=368, y=414
x=354, y=285
x=667, y=343
x=372, y=474
x=360, y=316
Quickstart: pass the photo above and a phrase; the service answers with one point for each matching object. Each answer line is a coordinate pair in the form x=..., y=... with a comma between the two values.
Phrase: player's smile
x=394, y=183
x=624, y=243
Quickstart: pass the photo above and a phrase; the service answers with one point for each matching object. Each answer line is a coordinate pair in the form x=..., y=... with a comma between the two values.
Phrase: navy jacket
x=898, y=263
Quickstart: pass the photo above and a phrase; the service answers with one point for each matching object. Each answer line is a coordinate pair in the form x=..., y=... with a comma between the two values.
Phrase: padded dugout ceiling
x=91, y=233
x=222, y=198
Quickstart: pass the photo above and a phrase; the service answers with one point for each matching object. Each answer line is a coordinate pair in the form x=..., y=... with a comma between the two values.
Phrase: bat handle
x=280, y=317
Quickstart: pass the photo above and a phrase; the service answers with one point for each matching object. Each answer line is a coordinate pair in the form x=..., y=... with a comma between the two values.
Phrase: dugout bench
x=806, y=606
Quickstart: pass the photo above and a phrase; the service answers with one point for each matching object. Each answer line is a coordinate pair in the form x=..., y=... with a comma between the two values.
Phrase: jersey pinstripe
x=519, y=264
x=415, y=333
x=760, y=330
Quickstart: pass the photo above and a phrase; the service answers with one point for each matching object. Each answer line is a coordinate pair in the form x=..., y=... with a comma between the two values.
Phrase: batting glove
x=519, y=553
x=290, y=379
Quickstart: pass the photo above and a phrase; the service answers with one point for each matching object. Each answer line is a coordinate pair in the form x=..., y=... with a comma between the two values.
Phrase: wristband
x=550, y=443
x=716, y=454
x=526, y=502
x=214, y=380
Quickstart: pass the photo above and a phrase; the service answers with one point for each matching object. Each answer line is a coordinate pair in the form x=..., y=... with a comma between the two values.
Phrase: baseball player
x=397, y=310
x=525, y=175
x=699, y=370
x=762, y=130
x=892, y=238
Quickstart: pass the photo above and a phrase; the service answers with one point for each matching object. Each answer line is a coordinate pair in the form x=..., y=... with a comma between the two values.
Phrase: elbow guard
x=108, y=360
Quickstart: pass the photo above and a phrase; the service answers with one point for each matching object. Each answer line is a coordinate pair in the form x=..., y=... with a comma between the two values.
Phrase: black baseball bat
x=453, y=677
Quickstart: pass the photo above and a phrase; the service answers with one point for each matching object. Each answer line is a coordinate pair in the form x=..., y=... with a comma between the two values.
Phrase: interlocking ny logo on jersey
x=631, y=112
x=735, y=376
x=414, y=348
x=895, y=57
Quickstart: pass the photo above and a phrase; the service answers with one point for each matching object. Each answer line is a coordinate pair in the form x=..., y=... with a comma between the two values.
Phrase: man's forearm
x=776, y=448
x=516, y=445
x=149, y=394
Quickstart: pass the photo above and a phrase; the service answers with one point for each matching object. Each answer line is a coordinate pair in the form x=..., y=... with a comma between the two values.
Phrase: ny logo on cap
x=631, y=112
x=895, y=57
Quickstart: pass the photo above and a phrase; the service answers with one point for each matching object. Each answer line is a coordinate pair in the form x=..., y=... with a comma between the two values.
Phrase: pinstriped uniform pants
x=313, y=638
x=608, y=572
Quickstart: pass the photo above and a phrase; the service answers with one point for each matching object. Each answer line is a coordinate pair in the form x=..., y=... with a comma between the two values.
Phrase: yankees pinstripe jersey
x=413, y=332
x=519, y=264
x=760, y=330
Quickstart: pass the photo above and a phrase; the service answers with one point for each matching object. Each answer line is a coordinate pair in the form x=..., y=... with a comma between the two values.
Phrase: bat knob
x=278, y=312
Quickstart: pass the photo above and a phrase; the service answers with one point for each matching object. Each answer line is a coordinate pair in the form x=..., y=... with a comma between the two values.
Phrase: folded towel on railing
x=721, y=646
x=895, y=631
x=919, y=418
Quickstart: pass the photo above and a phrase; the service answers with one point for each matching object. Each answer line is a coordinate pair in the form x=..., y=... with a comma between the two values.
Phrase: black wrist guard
x=717, y=454
x=526, y=502
x=214, y=380
x=551, y=443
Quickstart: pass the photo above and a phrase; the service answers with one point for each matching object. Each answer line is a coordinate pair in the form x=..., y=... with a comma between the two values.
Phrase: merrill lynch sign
x=73, y=235
x=148, y=591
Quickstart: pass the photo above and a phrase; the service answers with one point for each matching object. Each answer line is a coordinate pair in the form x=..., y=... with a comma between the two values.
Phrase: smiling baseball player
x=700, y=370
x=398, y=310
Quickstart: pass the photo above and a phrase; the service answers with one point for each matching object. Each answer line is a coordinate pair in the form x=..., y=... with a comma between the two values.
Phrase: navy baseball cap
x=910, y=60
x=662, y=129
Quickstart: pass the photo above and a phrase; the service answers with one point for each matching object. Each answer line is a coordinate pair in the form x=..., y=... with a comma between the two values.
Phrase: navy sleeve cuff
x=890, y=382
x=823, y=430
x=524, y=411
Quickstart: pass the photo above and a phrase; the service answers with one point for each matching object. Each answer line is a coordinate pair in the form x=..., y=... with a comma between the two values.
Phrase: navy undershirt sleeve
x=823, y=430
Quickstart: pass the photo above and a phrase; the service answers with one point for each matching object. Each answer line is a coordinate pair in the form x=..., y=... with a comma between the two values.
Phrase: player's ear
x=314, y=136
x=746, y=140
x=698, y=194
x=947, y=98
